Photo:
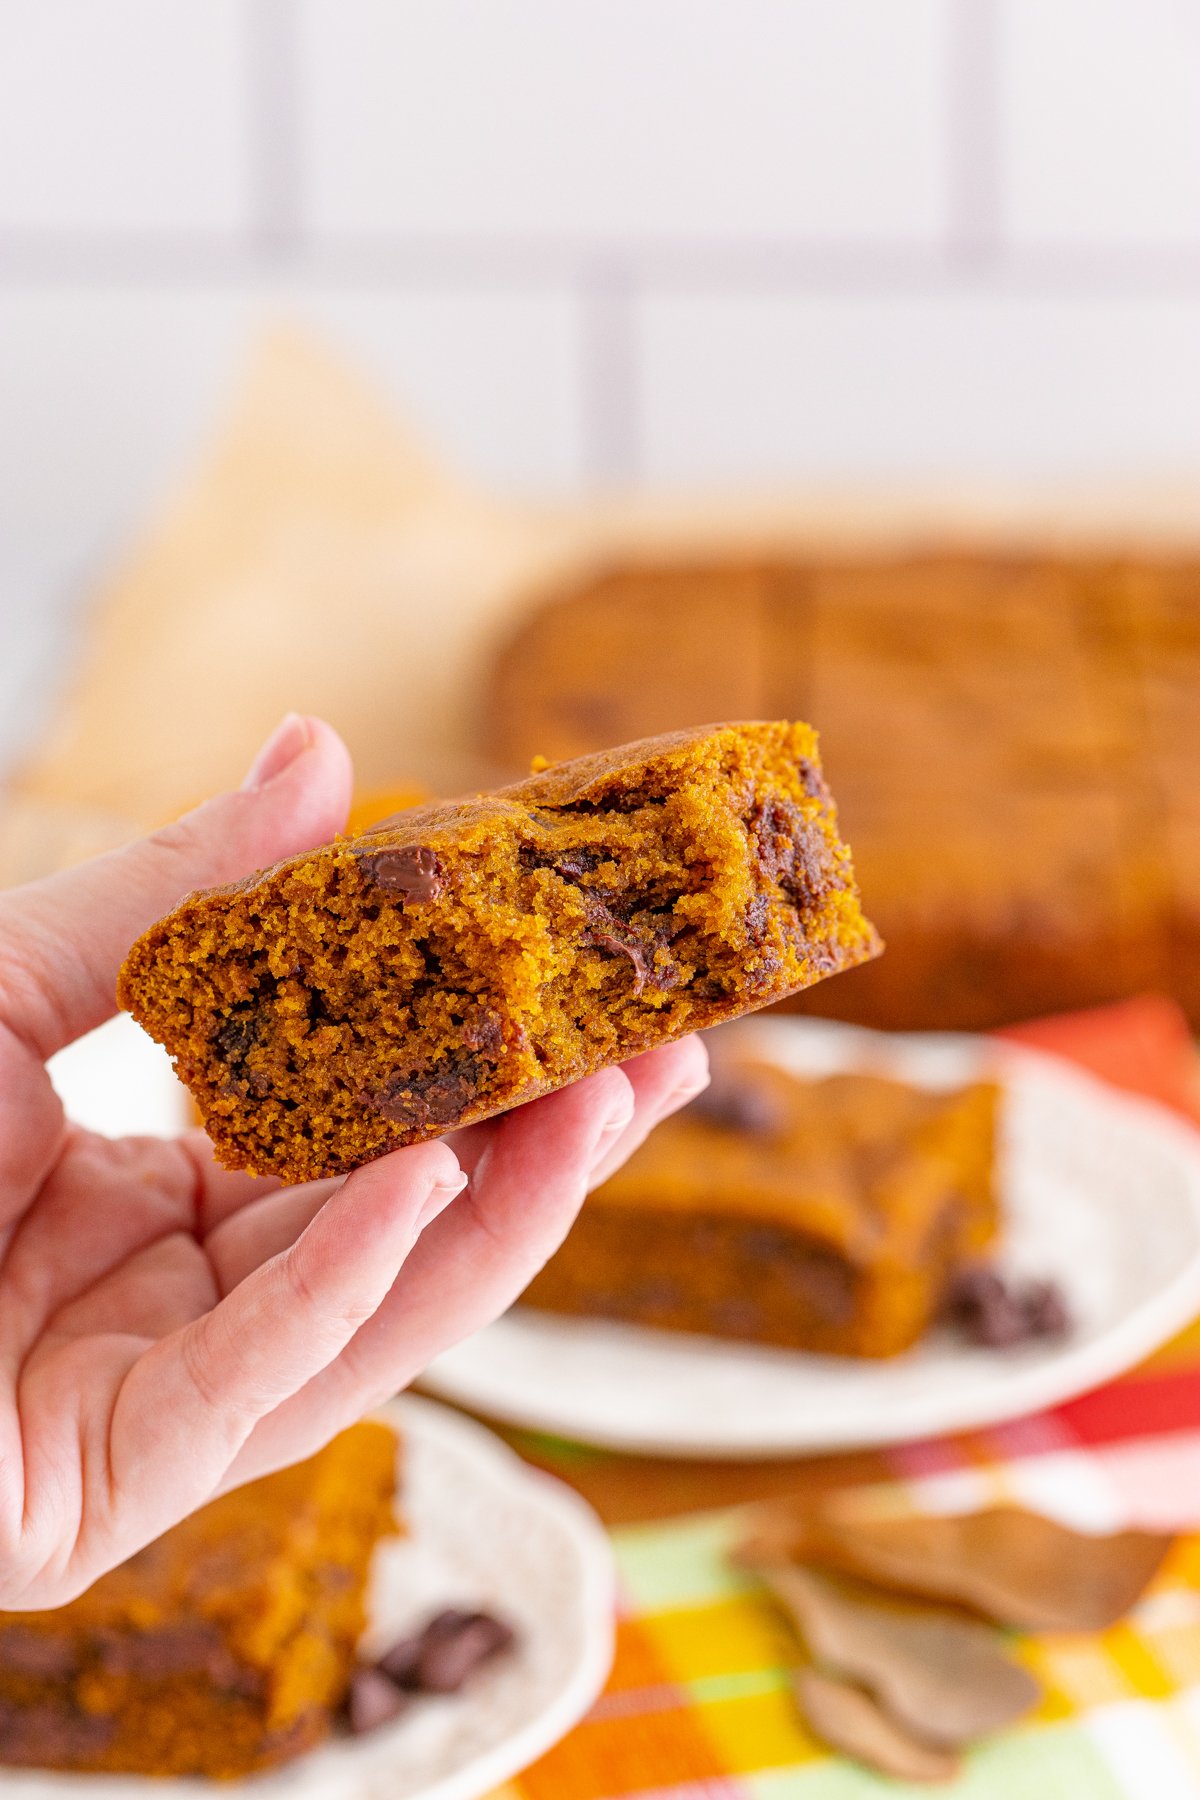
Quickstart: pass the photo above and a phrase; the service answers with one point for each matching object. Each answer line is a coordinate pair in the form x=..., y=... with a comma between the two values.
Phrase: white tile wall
x=494, y=376
x=131, y=115
x=567, y=232
x=1100, y=102
x=110, y=386
x=634, y=239
x=626, y=119
x=953, y=385
x=114, y=384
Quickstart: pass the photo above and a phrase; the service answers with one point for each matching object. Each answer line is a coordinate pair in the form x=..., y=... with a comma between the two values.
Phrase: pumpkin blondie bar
x=463, y=957
x=827, y=1215
x=226, y=1646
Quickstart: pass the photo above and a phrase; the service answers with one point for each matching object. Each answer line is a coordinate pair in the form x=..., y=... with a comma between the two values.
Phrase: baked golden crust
x=465, y=956
x=224, y=1647
x=819, y=1215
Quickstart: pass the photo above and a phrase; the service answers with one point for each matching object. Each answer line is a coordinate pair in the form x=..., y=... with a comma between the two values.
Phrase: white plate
x=1101, y=1192
x=485, y=1531
x=117, y=1080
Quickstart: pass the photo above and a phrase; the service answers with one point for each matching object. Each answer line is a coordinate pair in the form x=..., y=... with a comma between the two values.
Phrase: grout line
x=694, y=266
x=974, y=140
x=608, y=378
x=527, y=260
x=273, y=122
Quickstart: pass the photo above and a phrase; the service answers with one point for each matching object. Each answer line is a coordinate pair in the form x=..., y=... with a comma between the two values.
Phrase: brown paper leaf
x=302, y=564
x=847, y=1719
x=1016, y=1567
x=938, y=1674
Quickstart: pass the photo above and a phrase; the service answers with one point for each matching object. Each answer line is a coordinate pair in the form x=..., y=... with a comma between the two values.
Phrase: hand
x=169, y=1330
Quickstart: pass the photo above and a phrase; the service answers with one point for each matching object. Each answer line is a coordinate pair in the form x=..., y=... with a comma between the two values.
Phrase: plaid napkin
x=697, y=1706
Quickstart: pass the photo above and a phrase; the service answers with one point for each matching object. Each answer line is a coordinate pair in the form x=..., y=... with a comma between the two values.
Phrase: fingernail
x=439, y=1199
x=290, y=738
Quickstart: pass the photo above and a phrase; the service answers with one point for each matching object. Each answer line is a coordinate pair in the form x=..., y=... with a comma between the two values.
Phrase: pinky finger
x=187, y=1406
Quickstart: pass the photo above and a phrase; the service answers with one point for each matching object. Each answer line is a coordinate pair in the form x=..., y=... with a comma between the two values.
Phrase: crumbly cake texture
x=818, y=1215
x=464, y=957
x=223, y=1648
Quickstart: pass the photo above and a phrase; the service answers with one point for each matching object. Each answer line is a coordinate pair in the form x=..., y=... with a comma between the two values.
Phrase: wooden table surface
x=629, y=1490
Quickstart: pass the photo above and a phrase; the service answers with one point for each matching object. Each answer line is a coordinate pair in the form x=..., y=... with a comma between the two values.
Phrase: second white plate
x=1101, y=1193
x=484, y=1530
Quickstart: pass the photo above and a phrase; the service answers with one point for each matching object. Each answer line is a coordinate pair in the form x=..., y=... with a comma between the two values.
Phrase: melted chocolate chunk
x=434, y=1096
x=401, y=1661
x=791, y=851
x=772, y=823
x=768, y=962
x=483, y=1032
x=735, y=1101
x=234, y=1038
x=185, y=1649
x=757, y=914
x=411, y=870
x=812, y=781
x=644, y=937
x=439, y=1658
x=616, y=800
x=1045, y=1309
x=616, y=946
x=232, y=1043
x=373, y=1700
x=582, y=861
x=54, y=1736
x=26, y=1652
x=824, y=958
x=810, y=877
x=568, y=865
x=997, y=1314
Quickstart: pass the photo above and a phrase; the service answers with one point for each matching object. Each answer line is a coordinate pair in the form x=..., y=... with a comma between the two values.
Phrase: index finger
x=64, y=938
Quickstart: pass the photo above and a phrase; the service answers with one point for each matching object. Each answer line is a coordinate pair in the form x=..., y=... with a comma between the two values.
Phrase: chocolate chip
x=644, y=935
x=373, y=1700
x=773, y=823
x=608, y=940
x=616, y=800
x=234, y=1038
x=757, y=914
x=191, y=1648
x=402, y=1661
x=412, y=870
x=439, y=1658
x=997, y=1314
x=568, y=865
x=54, y=1736
x=484, y=1033
x=984, y=1310
x=812, y=781
x=232, y=1043
x=737, y=1102
x=434, y=1096
x=810, y=877
x=575, y=863
x=1045, y=1309
x=791, y=851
